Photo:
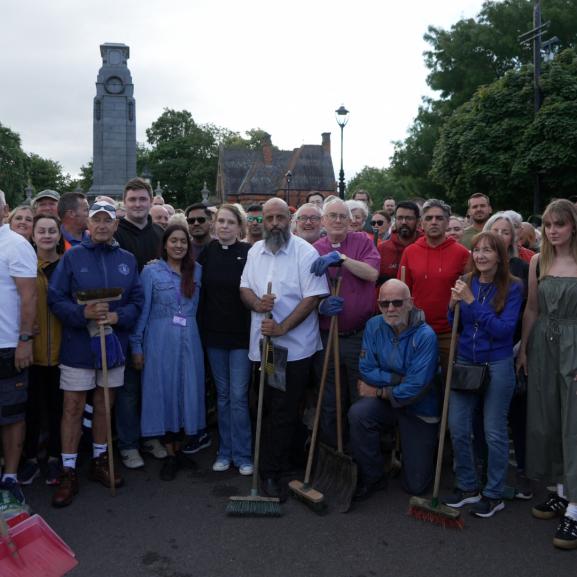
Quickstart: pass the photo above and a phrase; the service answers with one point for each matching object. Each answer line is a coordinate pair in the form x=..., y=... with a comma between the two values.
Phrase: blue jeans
x=127, y=406
x=496, y=400
x=231, y=373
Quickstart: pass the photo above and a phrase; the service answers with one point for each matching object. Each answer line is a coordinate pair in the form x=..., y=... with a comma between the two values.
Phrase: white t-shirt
x=17, y=259
x=292, y=281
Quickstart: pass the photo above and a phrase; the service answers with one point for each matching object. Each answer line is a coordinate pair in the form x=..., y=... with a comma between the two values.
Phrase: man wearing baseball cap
x=96, y=263
x=46, y=203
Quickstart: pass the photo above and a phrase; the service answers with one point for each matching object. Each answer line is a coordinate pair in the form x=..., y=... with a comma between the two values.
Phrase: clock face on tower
x=114, y=85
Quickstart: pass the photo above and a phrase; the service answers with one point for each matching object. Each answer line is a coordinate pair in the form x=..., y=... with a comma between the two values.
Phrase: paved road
x=179, y=529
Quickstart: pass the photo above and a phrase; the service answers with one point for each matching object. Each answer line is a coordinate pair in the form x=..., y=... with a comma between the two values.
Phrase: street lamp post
x=288, y=177
x=342, y=115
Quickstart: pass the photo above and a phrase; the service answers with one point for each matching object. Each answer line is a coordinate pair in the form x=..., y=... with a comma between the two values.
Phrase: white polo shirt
x=17, y=259
x=292, y=281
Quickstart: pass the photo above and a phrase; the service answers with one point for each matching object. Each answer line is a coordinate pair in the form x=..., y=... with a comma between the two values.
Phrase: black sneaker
x=13, y=487
x=553, y=507
x=566, y=535
x=460, y=498
x=523, y=488
x=197, y=443
x=28, y=472
x=486, y=507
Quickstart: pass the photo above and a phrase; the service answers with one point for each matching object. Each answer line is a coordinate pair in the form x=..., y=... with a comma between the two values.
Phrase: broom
x=304, y=491
x=254, y=505
x=432, y=510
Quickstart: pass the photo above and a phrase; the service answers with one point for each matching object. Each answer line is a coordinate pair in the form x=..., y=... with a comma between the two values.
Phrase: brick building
x=254, y=176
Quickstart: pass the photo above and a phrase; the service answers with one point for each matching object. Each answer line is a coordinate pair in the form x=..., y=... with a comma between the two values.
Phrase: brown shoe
x=99, y=472
x=67, y=489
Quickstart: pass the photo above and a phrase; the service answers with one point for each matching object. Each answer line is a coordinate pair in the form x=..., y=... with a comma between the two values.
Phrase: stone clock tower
x=114, y=120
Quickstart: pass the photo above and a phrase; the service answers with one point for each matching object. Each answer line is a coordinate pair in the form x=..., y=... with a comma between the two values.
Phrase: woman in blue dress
x=166, y=347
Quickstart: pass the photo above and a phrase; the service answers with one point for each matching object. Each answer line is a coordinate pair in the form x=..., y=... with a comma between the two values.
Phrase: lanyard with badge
x=177, y=319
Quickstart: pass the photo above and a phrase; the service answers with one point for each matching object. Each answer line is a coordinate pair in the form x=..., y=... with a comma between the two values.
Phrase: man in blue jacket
x=398, y=363
x=96, y=263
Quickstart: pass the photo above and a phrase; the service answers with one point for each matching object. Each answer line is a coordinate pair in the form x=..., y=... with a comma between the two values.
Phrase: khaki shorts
x=74, y=379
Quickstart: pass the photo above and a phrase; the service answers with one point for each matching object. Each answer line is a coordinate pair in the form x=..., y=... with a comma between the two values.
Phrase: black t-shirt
x=223, y=320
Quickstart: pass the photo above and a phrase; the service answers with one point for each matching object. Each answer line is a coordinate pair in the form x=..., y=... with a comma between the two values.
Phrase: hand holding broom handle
x=447, y=393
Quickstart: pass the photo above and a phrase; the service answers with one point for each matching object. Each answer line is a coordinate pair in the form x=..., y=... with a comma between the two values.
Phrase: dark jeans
x=128, y=409
x=43, y=410
x=368, y=417
x=281, y=419
x=518, y=425
x=349, y=351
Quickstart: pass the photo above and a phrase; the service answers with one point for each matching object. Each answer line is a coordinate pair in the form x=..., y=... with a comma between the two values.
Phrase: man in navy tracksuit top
x=96, y=263
x=397, y=366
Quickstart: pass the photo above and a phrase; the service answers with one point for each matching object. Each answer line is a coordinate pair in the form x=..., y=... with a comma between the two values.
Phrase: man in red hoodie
x=407, y=224
x=432, y=265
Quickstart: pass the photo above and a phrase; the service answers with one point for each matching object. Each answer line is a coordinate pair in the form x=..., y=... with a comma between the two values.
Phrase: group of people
x=197, y=291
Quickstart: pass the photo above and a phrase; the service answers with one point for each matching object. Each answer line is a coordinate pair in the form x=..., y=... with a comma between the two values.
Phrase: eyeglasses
x=377, y=222
x=254, y=219
x=193, y=219
x=397, y=303
x=313, y=218
x=334, y=216
x=405, y=218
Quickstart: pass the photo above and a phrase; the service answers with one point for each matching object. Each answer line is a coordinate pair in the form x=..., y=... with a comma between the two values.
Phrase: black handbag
x=471, y=378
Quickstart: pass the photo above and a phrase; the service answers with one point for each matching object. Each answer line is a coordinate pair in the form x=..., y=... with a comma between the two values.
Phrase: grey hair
x=505, y=215
x=514, y=217
x=358, y=204
x=436, y=203
x=2, y=198
x=330, y=201
x=308, y=205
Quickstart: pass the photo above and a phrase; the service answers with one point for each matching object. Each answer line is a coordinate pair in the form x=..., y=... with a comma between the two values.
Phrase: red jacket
x=430, y=273
x=391, y=252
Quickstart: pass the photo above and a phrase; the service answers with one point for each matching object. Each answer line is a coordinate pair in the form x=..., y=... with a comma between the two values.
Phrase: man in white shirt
x=18, y=266
x=284, y=260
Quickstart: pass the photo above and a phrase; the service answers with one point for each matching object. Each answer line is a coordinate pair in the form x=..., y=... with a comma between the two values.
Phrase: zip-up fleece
x=90, y=266
x=407, y=362
x=430, y=273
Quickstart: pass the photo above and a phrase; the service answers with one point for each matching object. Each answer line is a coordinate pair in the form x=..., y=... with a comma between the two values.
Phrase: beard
x=405, y=232
x=276, y=238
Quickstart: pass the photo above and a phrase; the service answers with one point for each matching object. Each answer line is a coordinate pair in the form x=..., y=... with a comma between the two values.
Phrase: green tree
x=494, y=143
x=45, y=173
x=380, y=183
x=13, y=166
x=84, y=181
x=252, y=140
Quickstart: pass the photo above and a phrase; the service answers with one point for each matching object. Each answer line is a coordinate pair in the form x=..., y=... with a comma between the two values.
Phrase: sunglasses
x=199, y=219
x=377, y=222
x=397, y=303
x=254, y=219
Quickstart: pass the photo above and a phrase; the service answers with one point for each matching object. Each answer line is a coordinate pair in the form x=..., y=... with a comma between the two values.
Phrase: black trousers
x=43, y=410
x=281, y=415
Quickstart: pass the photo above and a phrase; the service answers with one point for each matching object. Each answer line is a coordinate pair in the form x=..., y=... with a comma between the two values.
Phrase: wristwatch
x=25, y=338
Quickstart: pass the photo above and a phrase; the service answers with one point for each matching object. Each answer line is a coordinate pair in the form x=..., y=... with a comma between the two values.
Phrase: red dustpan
x=32, y=549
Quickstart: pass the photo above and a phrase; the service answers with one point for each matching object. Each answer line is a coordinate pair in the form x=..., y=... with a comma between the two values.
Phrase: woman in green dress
x=548, y=356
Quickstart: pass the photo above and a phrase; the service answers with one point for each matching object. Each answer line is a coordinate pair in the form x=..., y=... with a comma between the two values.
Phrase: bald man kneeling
x=397, y=366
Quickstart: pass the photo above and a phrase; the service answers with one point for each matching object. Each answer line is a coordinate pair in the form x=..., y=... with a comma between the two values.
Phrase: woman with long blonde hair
x=548, y=356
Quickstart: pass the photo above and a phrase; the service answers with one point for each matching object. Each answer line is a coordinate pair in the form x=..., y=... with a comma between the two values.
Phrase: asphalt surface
x=179, y=529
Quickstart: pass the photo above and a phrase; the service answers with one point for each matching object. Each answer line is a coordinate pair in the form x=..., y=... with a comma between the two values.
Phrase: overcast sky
x=281, y=66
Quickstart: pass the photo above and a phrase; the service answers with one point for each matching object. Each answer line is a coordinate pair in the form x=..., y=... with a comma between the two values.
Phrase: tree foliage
x=494, y=143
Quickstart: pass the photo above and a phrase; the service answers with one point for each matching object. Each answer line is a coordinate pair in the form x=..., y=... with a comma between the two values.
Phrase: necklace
x=483, y=292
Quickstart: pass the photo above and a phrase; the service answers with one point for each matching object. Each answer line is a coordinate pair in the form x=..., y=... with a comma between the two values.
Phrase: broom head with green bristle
x=253, y=506
x=432, y=511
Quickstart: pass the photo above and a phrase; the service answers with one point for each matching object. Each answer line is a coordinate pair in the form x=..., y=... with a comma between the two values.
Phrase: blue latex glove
x=320, y=266
x=332, y=306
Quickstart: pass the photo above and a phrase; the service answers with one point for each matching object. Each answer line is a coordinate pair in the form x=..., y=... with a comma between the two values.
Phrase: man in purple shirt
x=354, y=257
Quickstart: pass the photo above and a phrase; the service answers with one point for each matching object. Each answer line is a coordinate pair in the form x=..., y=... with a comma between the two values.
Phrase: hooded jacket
x=93, y=266
x=143, y=243
x=411, y=358
x=430, y=273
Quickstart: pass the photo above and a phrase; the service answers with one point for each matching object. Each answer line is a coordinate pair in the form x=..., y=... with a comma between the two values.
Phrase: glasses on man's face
x=194, y=219
x=397, y=303
x=377, y=222
x=313, y=218
x=405, y=218
x=334, y=216
x=254, y=219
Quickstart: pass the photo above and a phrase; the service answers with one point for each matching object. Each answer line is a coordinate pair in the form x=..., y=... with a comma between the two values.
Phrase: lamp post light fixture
x=288, y=176
x=342, y=116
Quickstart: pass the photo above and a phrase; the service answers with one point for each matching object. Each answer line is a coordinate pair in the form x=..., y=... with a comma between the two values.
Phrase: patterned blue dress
x=167, y=335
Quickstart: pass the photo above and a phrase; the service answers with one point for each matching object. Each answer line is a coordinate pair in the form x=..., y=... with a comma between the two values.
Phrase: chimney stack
x=326, y=142
x=266, y=149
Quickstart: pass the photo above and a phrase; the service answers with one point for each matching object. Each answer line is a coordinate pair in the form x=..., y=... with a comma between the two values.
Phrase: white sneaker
x=131, y=459
x=246, y=470
x=221, y=465
x=155, y=448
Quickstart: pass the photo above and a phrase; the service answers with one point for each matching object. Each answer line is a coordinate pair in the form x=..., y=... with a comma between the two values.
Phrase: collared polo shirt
x=292, y=281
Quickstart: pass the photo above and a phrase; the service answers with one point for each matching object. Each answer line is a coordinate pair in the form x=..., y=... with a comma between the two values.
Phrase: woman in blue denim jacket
x=490, y=299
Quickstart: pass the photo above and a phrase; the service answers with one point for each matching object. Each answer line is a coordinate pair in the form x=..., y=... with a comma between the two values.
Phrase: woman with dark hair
x=548, y=355
x=225, y=324
x=490, y=300
x=166, y=347
x=44, y=405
